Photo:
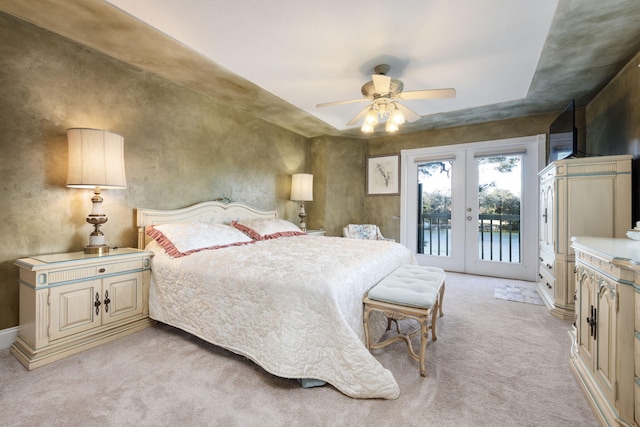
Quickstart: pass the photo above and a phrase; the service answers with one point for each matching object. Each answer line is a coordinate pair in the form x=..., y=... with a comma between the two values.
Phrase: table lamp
x=302, y=191
x=96, y=160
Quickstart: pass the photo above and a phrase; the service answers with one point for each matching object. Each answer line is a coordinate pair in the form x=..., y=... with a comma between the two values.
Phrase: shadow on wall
x=608, y=133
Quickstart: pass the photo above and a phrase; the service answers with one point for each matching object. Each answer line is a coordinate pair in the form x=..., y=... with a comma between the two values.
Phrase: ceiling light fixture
x=383, y=91
x=383, y=108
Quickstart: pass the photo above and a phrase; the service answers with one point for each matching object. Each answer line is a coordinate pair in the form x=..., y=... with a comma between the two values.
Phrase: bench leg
x=434, y=316
x=424, y=337
x=367, y=312
x=440, y=298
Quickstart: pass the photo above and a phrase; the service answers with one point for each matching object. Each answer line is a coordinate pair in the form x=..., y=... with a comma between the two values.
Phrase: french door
x=472, y=208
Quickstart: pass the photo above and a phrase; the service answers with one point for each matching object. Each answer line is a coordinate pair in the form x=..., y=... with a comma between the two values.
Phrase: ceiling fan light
x=371, y=118
x=367, y=128
x=391, y=126
x=397, y=117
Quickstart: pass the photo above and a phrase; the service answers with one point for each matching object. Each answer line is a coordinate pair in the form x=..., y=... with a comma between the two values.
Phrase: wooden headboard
x=207, y=212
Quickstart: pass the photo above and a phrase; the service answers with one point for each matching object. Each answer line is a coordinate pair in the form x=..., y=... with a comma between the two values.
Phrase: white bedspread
x=293, y=305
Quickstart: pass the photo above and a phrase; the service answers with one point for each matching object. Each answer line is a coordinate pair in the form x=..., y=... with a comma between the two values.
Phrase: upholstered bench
x=409, y=292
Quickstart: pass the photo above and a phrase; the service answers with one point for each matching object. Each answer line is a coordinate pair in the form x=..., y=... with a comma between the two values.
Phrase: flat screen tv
x=563, y=135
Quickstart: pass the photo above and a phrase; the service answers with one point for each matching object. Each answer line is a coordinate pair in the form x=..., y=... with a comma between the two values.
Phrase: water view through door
x=498, y=207
x=469, y=210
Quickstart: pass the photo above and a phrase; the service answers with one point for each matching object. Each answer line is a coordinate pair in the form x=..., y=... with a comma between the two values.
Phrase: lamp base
x=96, y=249
x=302, y=216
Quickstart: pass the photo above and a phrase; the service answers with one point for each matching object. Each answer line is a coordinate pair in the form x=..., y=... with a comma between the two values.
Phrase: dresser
x=71, y=302
x=605, y=351
x=578, y=197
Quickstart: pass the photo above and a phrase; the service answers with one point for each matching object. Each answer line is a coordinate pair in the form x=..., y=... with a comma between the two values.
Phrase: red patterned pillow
x=181, y=239
x=265, y=229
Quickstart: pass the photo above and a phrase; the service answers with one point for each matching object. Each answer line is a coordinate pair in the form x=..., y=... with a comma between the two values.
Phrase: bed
x=290, y=302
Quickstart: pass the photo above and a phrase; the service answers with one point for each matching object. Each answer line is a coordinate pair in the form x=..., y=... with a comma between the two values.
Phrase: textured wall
x=181, y=147
x=338, y=166
x=613, y=122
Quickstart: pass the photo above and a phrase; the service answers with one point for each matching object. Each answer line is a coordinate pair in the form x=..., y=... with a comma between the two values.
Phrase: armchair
x=364, y=231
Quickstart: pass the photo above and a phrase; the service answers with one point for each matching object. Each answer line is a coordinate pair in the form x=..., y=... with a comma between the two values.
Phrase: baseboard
x=7, y=337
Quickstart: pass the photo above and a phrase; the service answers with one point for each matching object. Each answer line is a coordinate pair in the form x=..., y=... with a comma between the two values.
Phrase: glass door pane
x=499, y=207
x=434, y=208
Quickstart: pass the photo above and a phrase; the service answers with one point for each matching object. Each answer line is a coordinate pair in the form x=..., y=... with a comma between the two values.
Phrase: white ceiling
x=310, y=52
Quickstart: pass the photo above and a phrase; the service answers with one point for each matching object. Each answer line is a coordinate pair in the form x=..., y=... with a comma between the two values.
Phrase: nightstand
x=75, y=301
x=315, y=232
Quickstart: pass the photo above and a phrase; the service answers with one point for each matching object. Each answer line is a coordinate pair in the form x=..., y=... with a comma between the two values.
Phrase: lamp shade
x=96, y=159
x=302, y=187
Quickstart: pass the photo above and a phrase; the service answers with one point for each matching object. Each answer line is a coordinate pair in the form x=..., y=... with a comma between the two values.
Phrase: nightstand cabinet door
x=72, y=308
x=122, y=297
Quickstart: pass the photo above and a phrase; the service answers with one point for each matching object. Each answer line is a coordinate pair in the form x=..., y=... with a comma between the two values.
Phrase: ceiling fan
x=384, y=93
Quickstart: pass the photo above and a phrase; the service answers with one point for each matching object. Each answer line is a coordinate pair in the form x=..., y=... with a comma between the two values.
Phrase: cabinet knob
x=102, y=270
x=592, y=322
x=97, y=303
x=106, y=301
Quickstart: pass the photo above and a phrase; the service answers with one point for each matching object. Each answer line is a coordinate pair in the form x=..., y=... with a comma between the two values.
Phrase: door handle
x=469, y=218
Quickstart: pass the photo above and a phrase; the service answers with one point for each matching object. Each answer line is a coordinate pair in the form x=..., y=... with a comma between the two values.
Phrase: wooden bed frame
x=207, y=212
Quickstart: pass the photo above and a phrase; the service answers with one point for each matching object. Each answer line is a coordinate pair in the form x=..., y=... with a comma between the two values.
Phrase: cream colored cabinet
x=72, y=302
x=604, y=355
x=578, y=197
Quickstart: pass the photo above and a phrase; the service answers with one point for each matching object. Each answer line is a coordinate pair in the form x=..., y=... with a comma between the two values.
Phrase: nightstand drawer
x=94, y=271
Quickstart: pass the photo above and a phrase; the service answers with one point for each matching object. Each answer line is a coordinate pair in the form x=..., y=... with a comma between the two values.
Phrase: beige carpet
x=496, y=363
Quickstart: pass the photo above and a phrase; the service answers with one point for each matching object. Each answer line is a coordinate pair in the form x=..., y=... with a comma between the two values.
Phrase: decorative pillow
x=265, y=229
x=184, y=238
x=363, y=231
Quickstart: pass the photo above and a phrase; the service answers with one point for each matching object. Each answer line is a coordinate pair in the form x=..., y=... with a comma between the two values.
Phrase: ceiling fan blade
x=409, y=115
x=359, y=116
x=381, y=83
x=329, y=104
x=428, y=94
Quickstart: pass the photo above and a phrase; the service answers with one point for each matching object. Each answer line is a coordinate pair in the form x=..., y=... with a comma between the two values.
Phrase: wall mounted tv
x=563, y=135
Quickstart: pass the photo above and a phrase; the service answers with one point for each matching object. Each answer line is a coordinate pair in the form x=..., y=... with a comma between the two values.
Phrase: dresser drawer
x=546, y=281
x=547, y=263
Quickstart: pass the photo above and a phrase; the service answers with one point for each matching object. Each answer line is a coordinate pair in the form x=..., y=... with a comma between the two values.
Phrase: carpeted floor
x=525, y=293
x=494, y=364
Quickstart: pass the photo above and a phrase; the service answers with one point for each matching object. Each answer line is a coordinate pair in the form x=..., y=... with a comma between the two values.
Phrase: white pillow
x=265, y=229
x=184, y=238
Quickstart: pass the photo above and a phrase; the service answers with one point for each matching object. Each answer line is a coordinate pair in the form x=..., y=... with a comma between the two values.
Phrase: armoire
x=588, y=196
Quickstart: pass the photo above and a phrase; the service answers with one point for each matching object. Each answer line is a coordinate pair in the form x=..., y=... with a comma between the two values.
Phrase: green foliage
x=492, y=200
x=436, y=202
x=499, y=202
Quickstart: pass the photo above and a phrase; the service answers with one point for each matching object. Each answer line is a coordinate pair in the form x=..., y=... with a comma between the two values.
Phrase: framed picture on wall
x=383, y=175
